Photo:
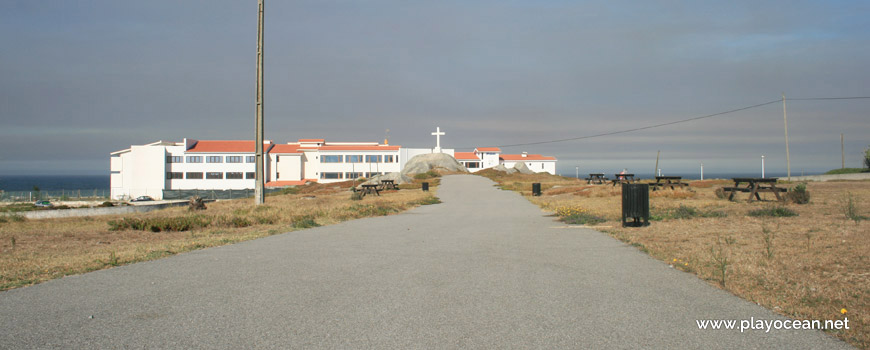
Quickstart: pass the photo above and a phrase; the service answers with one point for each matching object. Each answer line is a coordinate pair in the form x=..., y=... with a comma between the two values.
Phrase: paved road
x=485, y=269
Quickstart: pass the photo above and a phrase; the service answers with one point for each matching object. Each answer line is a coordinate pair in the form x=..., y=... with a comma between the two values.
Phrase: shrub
x=356, y=196
x=179, y=223
x=427, y=175
x=778, y=212
x=799, y=194
x=430, y=200
x=106, y=204
x=720, y=193
x=305, y=221
x=577, y=216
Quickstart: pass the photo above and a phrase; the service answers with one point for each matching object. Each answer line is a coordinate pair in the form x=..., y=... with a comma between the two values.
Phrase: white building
x=488, y=157
x=149, y=170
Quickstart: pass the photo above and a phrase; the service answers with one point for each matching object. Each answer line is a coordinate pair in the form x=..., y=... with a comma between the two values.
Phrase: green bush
x=106, y=204
x=427, y=175
x=799, y=194
x=179, y=223
x=778, y=212
x=305, y=221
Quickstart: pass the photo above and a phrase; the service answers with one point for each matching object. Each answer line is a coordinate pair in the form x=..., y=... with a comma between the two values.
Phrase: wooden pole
x=843, y=150
x=259, y=197
x=785, y=120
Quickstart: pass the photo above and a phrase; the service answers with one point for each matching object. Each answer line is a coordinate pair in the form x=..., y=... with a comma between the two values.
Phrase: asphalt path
x=484, y=269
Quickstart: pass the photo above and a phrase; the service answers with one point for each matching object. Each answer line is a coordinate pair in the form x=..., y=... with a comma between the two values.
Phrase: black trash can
x=536, y=189
x=635, y=205
x=426, y=186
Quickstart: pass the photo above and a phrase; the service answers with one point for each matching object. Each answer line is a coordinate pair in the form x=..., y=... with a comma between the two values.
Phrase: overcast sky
x=81, y=79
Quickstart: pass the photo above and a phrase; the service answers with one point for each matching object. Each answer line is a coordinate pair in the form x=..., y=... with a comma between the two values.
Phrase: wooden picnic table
x=389, y=185
x=369, y=189
x=596, y=178
x=623, y=179
x=754, y=186
x=668, y=181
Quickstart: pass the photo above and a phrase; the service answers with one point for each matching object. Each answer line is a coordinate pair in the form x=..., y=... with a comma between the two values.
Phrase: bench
x=754, y=186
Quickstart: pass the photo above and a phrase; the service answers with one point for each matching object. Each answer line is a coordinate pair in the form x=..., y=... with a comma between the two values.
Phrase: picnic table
x=389, y=185
x=623, y=179
x=754, y=186
x=369, y=189
x=597, y=178
x=668, y=181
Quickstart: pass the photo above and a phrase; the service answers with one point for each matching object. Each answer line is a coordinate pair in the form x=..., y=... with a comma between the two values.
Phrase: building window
x=194, y=159
x=234, y=175
x=251, y=176
x=251, y=159
x=174, y=175
x=353, y=175
x=214, y=176
x=472, y=165
x=369, y=175
x=214, y=159
x=354, y=159
x=234, y=159
x=194, y=175
x=331, y=159
x=174, y=159
x=330, y=175
x=373, y=159
x=389, y=159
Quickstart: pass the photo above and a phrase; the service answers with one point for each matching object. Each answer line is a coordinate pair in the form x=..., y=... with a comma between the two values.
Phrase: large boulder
x=422, y=163
x=399, y=179
x=522, y=168
x=504, y=169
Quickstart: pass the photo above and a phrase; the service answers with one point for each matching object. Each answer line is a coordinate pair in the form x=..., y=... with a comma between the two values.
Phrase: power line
x=641, y=128
x=681, y=121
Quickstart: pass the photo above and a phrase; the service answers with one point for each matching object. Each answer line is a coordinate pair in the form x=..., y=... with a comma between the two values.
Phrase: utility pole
x=843, y=150
x=785, y=120
x=259, y=197
x=578, y=173
x=762, y=166
x=702, y=171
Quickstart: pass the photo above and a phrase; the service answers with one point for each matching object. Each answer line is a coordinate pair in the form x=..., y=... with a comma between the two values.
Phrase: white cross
x=438, y=133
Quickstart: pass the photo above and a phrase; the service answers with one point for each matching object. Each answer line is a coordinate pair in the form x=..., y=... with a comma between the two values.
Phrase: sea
x=21, y=183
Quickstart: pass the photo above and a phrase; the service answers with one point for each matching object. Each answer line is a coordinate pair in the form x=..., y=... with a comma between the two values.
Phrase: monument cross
x=438, y=133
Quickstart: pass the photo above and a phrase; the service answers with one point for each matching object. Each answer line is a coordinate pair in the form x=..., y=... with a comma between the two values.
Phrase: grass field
x=814, y=265
x=32, y=251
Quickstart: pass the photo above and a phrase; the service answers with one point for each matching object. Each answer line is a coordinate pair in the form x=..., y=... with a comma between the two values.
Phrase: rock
x=397, y=177
x=424, y=162
x=504, y=169
x=522, y=168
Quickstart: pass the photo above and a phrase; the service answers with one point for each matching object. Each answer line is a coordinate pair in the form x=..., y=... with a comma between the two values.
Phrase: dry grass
x=810, y=266
x=32, y=251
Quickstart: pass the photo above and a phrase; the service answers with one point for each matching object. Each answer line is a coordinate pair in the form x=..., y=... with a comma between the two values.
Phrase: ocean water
x=17, y=183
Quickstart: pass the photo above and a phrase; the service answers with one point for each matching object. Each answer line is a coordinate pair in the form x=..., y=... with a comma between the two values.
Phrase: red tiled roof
x=225, y=147
x=519, y=157
x=288, y=183
x=488, y=149
x=285, y=149
x=465, y=156
x=359, y=148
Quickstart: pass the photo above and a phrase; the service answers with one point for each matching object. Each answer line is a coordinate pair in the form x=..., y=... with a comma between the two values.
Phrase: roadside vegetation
x=32, y=251
x=805, y=261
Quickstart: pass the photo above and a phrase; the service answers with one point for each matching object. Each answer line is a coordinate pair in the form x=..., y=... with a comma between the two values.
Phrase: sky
x=82, y=79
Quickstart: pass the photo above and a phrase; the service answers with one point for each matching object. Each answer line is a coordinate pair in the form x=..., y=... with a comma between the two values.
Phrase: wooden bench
x=369, y=189
x=389, y=185
x=623, y=179
x=668, y=181
x=597, y=178
x=755, y=186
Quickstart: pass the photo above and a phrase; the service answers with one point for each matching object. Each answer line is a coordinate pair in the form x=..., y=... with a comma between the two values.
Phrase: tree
x=867, y=157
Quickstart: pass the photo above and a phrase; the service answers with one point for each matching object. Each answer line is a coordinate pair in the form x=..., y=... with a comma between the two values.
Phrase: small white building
x=488, y=157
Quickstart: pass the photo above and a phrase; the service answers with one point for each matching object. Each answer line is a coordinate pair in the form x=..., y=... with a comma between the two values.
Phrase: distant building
x=153, y=169
x=488, y=157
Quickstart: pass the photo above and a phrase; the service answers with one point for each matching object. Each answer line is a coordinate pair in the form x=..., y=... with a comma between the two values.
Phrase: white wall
x=289, y=166
x=536, y=166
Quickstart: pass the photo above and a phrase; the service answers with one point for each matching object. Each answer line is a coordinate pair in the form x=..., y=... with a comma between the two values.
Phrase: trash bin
x=536, y=189
x=426, y=186
x=635, y=205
